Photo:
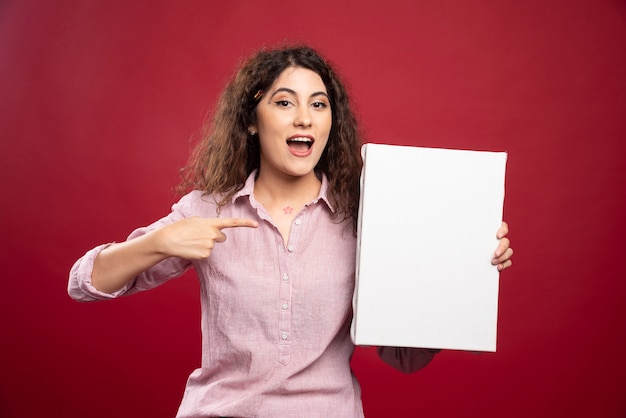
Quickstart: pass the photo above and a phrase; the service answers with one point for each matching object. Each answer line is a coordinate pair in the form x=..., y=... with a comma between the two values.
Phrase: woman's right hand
x=194, y=238
x=191, y=239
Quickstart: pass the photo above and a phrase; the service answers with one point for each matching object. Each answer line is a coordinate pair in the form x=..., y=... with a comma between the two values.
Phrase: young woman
x=279, y=171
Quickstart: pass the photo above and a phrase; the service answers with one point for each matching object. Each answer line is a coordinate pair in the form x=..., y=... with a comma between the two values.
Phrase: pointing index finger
x=235, y=223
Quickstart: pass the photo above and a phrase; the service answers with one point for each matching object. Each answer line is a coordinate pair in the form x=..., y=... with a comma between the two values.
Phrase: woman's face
x=293, y=123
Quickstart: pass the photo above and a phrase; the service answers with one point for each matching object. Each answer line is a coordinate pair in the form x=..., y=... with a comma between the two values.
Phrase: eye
x=282, y=103
x=319, y=105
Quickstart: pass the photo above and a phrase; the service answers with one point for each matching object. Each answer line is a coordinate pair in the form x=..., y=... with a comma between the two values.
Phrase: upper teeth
x=300, y=139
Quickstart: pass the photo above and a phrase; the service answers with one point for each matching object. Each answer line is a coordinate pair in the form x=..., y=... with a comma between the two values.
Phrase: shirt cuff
x=79, y=286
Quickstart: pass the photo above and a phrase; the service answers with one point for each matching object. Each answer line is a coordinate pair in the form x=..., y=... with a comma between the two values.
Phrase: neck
x=270, y=189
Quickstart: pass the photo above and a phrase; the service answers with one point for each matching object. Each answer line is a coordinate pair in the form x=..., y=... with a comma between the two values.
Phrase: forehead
x=300, y=80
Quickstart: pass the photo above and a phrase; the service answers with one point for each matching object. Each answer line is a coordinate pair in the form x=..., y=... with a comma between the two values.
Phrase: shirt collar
x=248, y=190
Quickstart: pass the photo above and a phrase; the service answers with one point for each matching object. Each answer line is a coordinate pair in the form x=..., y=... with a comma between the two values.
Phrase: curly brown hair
x=227, y=153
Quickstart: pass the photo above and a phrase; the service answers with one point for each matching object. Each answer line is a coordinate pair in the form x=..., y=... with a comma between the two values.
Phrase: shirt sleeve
x=81, y=289
x=405, y=359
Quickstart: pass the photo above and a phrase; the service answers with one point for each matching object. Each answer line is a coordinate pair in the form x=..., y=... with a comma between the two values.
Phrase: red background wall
x=99, y=100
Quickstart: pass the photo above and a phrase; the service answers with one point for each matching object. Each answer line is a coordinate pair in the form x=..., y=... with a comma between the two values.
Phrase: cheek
x=274, y=126
x=264, y=118
x=326, y=122
x=323, y=147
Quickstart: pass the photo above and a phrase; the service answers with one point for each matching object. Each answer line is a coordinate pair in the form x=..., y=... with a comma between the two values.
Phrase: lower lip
x=301, y=154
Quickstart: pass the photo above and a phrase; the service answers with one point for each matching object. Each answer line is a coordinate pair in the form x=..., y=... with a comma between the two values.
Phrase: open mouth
x=300, y=144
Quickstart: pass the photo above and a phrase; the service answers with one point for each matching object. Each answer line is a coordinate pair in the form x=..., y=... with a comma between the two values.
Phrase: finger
x=504, y=257
x=235, y=222
x=221, y=237
x=505, y=265
x=503, y=231
x=503, y=245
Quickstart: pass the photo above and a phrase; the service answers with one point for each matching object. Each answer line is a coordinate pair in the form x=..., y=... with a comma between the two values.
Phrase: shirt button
x=298, y=221
x=284, y=336
x=285, y=306
x=290, y=248
x=285, y=277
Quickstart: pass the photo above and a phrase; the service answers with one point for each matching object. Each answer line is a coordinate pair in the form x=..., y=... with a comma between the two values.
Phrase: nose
x=303, y=117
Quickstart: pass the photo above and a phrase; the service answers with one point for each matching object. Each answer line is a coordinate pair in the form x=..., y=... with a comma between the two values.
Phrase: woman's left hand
x=502, y=256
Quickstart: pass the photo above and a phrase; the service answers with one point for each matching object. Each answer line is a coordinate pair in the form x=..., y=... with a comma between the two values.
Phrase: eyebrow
x=290, y=91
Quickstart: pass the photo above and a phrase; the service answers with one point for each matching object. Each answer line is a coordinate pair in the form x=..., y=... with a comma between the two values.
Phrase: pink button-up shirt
x=275, y=316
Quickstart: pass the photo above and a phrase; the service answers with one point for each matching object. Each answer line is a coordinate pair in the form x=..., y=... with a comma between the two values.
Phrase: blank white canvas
x=426, y=236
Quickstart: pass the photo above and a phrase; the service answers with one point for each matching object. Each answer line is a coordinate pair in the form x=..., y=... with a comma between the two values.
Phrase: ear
x=252, y=130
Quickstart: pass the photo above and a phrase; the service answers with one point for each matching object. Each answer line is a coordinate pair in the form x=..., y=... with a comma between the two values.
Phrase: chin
x=300, y=172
